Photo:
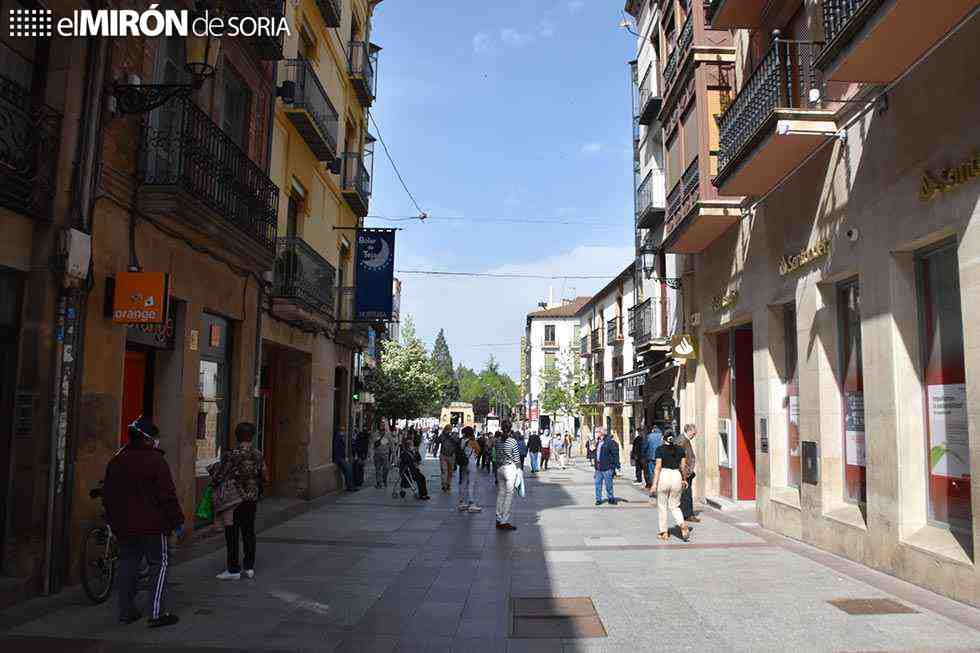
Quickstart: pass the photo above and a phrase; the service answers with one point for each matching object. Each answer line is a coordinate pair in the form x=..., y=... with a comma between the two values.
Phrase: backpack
x=462, y=460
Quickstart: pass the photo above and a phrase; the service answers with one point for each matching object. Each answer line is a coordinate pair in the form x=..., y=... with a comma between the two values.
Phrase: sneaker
x=474, y=508
x=613, y=502
x=165, y=619
x=598, y=502
x=461, y=506
x=249, y=573
x=228, y=575
x=508, y=527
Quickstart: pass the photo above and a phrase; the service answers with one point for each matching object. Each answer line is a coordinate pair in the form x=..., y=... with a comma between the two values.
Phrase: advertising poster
x=794, y=425
x=375, y=271
x=949, y=446
x=854, y=428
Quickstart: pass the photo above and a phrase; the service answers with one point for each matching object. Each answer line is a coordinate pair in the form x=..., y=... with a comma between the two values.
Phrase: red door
x=725, y=412
x=134, y=390
x=745, y=414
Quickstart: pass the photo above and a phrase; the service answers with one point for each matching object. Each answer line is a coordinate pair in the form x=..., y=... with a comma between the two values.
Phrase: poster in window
x=949, y=445
x=854, y=428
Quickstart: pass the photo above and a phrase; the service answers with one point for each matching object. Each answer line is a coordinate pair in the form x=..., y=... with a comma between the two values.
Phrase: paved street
x=368, y=572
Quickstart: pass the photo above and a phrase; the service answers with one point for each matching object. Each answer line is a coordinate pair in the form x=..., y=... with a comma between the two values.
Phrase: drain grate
x=555, y=618
x=871, y=606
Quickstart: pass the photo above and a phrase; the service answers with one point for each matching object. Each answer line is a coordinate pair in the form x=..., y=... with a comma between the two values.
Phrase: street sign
x=684, y=346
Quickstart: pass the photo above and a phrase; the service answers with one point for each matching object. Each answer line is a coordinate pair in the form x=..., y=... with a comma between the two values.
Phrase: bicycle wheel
x=98, y=564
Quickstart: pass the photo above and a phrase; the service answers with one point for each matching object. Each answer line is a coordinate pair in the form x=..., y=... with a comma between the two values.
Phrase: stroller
x=406, y=461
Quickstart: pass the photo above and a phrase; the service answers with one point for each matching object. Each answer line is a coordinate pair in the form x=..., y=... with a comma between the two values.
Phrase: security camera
x=852, y=234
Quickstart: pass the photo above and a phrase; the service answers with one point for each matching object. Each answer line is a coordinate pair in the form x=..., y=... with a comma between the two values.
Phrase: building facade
x=836, y=381
x=551, y=338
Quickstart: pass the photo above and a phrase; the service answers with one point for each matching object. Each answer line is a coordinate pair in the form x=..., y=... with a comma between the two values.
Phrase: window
x=852, y=391
x=213, y=386
x=549, y=333
x=793, y=469
x=235, y=108
x=292, y=217
x=944, y=373
x=549, y=361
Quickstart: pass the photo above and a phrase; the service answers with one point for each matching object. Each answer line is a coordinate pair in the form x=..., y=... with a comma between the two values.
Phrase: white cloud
x=478, y=310
x=515, y=38
x=576, y=6
x=591, y=148
x=482, y=44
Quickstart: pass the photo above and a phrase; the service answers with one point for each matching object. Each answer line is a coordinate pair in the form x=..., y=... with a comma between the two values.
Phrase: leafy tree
x=442, y=361
x=487, y=388
x=565, y=385
x=404, y=383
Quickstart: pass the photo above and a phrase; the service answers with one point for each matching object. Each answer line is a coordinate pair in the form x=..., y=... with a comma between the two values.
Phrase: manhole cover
x=554, y=618
x=871, y=606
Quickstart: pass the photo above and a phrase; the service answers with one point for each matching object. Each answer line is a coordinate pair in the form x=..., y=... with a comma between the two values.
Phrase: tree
x=487, y=389
x=442, y=361
x=565, y=385
x=404, y=383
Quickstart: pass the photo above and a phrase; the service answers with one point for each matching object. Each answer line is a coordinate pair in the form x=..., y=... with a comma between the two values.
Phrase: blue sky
x=516, y=109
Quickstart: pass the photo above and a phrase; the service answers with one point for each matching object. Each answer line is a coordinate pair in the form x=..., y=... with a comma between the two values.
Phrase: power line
x=547, y=221
x=394, y=166
x=508, y=275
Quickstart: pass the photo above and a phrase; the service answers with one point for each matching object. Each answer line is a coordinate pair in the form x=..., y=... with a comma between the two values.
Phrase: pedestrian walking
x=245, y=468
x=606, y=464
x=340, y=460
x=545, y=448
x=653, y=439
x=668, y=483
x=508, y=460
x=590, y=450
x=469, y=449
x=534, y=449
x=522, y=447
x=359, y=448
x=686, y=440
x=566, y=450
x=636, y=455
x=142, y=508
x=384, y=445
x=448, y=446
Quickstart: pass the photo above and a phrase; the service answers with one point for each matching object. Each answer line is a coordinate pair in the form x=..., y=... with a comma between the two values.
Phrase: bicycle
x=100, y=555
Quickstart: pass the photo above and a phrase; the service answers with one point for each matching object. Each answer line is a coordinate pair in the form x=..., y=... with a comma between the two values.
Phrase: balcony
x=303, y=290
x=355, y=183
x=650, y=101
x=29, y=136
x=549, y=344
x=676, y=58
x=692, y=223
x=876, y=40
x=614, y=331
x=650, y=201
x=769, y=128
x=267, y=46
x=194, y=174
x=653, y=322
x=596, y=340
x=612, y=392
x=740, y=14
x=350, y=333
x=330, y=11
x=583, y=346
x=309, y=108
x=363, y=70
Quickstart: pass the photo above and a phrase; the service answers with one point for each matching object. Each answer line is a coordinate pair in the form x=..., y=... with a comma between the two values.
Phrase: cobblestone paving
x=365, y=572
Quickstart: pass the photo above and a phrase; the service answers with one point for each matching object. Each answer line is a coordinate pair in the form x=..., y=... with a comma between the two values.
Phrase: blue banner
x=375, y=263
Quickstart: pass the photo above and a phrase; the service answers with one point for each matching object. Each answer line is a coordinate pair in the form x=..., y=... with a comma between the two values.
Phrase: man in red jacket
x=142, y=509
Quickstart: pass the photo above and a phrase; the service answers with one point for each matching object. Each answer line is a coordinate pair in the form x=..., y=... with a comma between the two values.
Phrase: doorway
x=10, y=302
x=137, y=398
x=736, y=415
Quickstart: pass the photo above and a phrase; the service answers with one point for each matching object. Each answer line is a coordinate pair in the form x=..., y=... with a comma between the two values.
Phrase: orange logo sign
x=140, y=298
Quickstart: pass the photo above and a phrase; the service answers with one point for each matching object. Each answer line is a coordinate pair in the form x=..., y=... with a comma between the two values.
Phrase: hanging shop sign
x=949, y=178
x=794, y=262
x=140, y=298
x=726, y=301
x=375, y=260
x=684, y=346
x=157, y=336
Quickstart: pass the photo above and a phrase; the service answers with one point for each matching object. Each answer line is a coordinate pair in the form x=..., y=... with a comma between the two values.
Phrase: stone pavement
x=365, y=572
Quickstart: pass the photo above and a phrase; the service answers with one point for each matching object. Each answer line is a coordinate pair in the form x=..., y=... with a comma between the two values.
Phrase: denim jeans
x=348, y=473
x=607, y=478
x=535, y=461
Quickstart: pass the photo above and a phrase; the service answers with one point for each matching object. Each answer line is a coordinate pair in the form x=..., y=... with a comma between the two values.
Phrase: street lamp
x=201, y=57
x=648, y=255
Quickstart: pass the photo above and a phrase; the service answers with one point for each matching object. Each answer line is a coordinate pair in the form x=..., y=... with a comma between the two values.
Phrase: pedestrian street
x=367, y=572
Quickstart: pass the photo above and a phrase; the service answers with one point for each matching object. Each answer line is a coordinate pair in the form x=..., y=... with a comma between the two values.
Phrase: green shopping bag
x=205, y=508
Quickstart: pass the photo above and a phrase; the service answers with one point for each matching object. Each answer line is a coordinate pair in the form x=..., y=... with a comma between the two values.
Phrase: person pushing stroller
x=409, y=473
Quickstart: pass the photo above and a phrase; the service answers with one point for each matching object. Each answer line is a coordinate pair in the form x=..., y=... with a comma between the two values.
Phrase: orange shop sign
x=140, y=298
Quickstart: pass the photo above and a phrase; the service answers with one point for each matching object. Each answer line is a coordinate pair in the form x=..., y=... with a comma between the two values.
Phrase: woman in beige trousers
x=668, y=483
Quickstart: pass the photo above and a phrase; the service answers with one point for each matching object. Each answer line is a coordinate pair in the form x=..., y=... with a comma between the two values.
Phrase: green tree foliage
x=565, y=385
x=488, y=388
x=405, y=383
x=442, y=361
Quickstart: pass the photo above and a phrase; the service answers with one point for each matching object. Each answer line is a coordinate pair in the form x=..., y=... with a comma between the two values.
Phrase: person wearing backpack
x=448, y=446
x=469, y=449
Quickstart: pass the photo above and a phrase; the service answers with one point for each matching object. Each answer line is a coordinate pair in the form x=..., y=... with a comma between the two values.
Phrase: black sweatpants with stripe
x=131, y=553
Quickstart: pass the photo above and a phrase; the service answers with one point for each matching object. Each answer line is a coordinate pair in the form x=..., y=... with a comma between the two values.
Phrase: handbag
x=227, y=495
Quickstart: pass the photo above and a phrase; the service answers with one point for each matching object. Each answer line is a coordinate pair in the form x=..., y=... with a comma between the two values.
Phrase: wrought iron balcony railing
x=583, y=346
x=782, y=80
x=330, y=10
x=181, y=147
x=640, y=319
x=650, y=201
x=355, y=182
x=363, y=70
x=29, y=136
x=676, y=57
x=268, y=46
x=310, y=109
x=612, y=392
x=350, y=331
x=613, y=331
x=596, y=339
x=685, y=186
x=841, y=17
x=303, y=276
x=649, y=99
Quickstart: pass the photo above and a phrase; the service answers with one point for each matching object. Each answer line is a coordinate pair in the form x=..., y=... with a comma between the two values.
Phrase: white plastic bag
x=519, y=487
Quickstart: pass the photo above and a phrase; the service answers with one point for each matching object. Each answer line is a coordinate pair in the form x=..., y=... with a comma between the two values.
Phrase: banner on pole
x=375, y=262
